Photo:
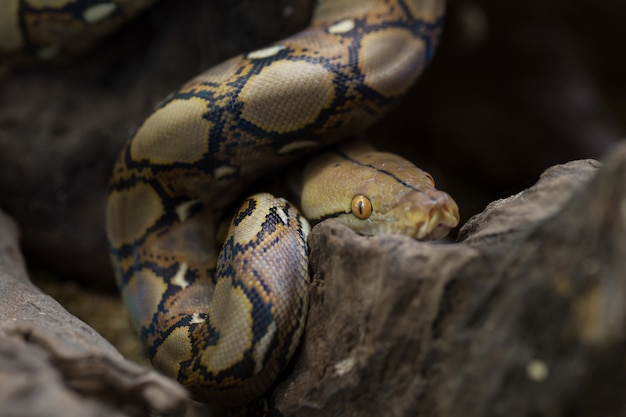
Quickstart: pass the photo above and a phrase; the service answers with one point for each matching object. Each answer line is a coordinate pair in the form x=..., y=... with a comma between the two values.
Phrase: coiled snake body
x=225, y=323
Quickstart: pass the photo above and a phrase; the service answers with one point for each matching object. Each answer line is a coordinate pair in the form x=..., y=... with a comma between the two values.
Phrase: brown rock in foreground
x=52, y=364
x=526, y=315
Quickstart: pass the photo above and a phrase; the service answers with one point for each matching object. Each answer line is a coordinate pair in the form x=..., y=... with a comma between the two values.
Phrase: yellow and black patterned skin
x=226, y=322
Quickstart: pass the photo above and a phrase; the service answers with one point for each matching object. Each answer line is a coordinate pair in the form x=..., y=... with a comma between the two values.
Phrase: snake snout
x=436, y=219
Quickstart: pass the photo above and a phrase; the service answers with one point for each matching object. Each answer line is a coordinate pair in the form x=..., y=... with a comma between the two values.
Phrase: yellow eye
x=430, y=178
x=361, y=206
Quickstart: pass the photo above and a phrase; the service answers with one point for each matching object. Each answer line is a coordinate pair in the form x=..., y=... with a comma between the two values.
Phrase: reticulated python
x=225, y=323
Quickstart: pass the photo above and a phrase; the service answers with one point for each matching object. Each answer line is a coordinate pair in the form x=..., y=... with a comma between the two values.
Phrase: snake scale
x=225, y=322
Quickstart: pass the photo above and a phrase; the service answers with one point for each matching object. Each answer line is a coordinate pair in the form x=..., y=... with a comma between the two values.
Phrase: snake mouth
x=438, y=223
x=420, y=220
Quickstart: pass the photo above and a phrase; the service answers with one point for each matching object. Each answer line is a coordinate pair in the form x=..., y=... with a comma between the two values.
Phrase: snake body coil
x=226, y=323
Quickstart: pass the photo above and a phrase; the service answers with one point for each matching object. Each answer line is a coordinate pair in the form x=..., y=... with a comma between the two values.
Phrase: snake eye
x=361, y=207
x=430, y=178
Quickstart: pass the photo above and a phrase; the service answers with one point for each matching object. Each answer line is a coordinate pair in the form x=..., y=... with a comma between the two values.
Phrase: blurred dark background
x=516, y=87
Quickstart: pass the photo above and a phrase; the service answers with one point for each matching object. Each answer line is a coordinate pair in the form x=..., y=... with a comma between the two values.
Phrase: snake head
x=376, y=193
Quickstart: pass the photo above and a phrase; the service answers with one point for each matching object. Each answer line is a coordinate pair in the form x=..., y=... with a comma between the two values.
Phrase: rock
x=525, y=315
x=53, y=364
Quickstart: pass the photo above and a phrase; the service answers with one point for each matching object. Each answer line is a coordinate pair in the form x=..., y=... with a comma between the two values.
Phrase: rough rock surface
x=52, y=364
x=525, y=315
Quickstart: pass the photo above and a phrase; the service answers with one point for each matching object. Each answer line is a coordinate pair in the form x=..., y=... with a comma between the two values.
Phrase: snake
x=216, y=285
